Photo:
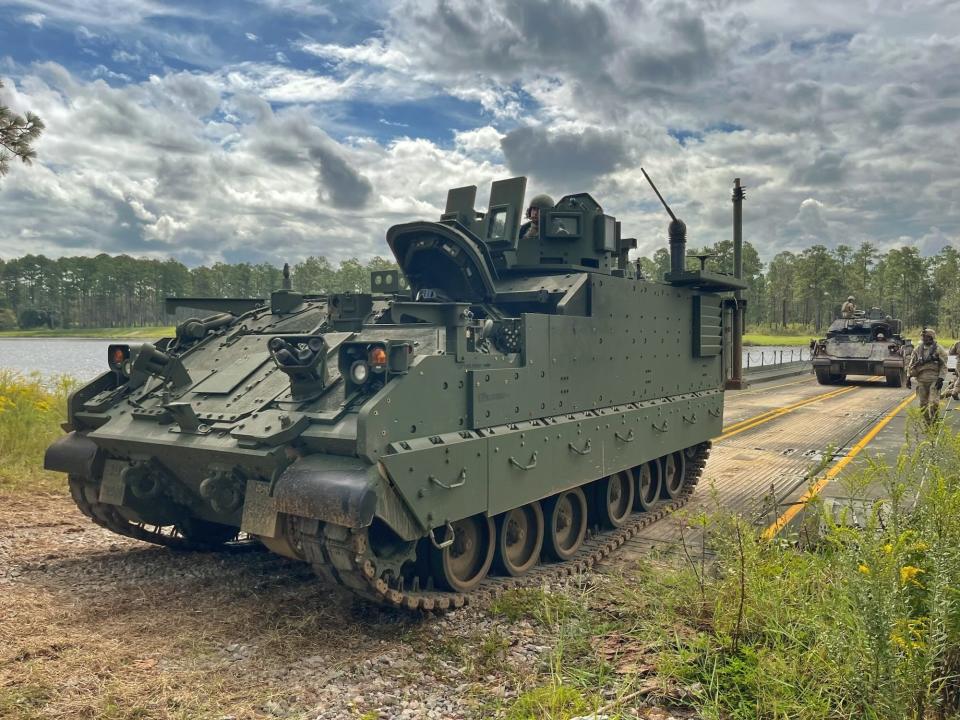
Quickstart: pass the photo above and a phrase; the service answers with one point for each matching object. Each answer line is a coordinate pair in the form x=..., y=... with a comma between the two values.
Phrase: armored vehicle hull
x=529, y=408
x=867, y=345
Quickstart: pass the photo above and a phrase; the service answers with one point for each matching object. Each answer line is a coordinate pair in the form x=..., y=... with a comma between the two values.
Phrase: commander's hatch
x=444, y=261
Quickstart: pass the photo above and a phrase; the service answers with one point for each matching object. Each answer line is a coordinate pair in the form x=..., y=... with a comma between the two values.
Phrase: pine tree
x=17, y=135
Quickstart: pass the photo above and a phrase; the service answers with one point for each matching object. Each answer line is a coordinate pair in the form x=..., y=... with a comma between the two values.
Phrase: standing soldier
x=954, y=390
x=848, y=308
x=928, y=365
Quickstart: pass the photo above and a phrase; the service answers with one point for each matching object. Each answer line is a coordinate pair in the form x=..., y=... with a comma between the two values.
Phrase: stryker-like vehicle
x=866, y=344
x=525, y=408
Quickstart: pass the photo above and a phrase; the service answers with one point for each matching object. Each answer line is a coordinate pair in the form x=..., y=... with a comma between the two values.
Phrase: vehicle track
x=345, y=551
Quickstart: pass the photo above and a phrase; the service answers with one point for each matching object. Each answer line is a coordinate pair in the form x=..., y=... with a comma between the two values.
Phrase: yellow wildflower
x=908, y=574
x=888, y=548
x=864, y=569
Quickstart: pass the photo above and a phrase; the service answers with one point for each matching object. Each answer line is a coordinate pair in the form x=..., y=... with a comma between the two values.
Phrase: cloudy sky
x=251, y=130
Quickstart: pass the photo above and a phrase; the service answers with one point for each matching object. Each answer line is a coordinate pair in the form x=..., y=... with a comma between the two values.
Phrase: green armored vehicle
x=524, y=408
x=869, y=343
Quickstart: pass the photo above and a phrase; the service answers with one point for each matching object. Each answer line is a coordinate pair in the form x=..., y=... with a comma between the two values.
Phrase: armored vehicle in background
x=866, y=344
x=530, y=402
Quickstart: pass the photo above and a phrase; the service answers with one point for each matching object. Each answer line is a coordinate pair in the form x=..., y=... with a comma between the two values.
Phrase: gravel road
x=95, y=625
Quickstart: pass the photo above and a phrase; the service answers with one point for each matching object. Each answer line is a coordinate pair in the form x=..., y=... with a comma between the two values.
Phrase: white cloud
x=35, y=19
x=839, y=117
x=483, y=141
x=251, y=37
x=146, y=169
x=141, y=212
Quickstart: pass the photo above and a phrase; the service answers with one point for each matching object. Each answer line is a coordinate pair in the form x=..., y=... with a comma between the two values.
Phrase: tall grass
x=30, y=417
x=862, y=623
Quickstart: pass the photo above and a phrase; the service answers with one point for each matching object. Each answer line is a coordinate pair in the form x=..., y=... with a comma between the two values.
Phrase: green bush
x=8, y=319
x=33, y=318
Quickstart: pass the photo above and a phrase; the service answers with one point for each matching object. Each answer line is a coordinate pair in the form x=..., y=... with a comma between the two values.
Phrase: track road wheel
x=519, y=539
x=896, y=378
x=648, y=485
x=463, y=564
x=565, y=515
x=823, y=377
x=671, y=472
x=614, y=499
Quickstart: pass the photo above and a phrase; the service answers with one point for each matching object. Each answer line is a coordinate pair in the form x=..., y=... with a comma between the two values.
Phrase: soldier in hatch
x=928, y=365
x=531, y=228
x=848, y=308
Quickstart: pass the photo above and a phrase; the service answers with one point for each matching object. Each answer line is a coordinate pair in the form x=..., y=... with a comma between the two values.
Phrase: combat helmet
x=540, y=202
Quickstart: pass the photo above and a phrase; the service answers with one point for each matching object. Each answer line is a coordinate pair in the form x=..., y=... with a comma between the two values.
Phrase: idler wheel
x=671, y=473
x=461, y=565
x=615, y=499
x=648, y=485
x=565, y=515
x=519, y=539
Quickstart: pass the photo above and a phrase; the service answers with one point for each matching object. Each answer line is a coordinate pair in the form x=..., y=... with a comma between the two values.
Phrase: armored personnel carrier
x=866, y=344
x=523, y=409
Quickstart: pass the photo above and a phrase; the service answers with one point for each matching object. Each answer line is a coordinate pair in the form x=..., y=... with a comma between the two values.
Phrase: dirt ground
x=93, y=625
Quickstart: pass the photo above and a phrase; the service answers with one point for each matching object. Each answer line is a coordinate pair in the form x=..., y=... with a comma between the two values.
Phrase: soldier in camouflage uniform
x=954, y=389
x=848, y=308
x=531, y=228
x=928, y=365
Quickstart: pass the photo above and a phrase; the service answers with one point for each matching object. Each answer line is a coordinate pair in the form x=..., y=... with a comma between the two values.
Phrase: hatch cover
x=228, y=377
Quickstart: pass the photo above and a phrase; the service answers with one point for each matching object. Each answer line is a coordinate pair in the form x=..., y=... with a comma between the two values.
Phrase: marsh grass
x=862, y=623
x=30, y=417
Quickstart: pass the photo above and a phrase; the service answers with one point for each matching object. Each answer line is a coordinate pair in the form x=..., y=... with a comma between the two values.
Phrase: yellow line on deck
x=830, y=474
x=749, y=423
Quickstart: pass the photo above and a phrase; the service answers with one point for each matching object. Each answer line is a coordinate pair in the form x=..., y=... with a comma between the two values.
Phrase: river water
x=79, y=358
x=83, y=359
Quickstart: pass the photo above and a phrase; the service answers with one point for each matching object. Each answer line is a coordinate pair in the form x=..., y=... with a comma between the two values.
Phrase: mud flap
x=75, y=454
x=331, y=488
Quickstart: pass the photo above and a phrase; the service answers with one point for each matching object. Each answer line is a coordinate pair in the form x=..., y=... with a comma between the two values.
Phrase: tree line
x=804, y=291
x=123, y=291
x=799, y=291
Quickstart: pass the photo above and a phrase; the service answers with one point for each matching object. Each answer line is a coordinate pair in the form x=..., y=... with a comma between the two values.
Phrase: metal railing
x=756, y=360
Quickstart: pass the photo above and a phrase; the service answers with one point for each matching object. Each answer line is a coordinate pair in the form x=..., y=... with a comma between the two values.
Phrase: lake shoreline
x=150, y=332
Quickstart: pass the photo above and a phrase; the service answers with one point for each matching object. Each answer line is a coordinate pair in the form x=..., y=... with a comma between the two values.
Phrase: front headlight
x=359, y=372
